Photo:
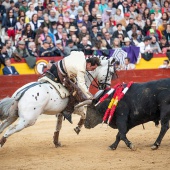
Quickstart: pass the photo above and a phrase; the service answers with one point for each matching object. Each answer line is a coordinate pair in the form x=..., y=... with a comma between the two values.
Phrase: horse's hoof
x=112, y=148
x=132, y=147
x=154, y=147
x=77, y=130
x=58, y=145
x=2, y=141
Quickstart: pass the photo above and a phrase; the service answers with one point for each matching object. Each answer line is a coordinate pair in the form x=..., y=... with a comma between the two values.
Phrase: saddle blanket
x=62, y=91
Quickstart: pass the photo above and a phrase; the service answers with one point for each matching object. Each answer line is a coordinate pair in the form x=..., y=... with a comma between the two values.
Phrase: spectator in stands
x=109, y=27
x=28, y=35
x=118, y=16
x=47, y=9
x=93, y=14
x=2, y=11
x=145, y=45
x=165, y=64
x=102, y=6
x=32, y=51
x=108, y=40
x=130, y=25
x=72, y=9
x=59, y=51
x=106, y=15
x=134, y=39
x=157, y=33
x=132, y=11
x=120, y=31
x=6, y=4
x=72, y=20
x=43, y=36
x=124, y=7
x=166, y=7
x=20, y=51
x=164, y=45
x=86, y=9
x=127, y=65
x=35, y=23
x=65, y=6
x=146, y=14
x=79, y=17
x=70, y=47
x=155, y=46
x=9, y=48
x=116, y=43
x=166, y=32
x=8, y=69
x=133, y=30
x=24, y=6
x=98, y=21
x=60, y=20
x=86, y=22
x=127, y=42
x=40, y=6
x=45, y=50
x=9, y=24
x=59, y=32
x=84, y=46
x=52, y=16
x=64, y=40
x=79, y=26
x=147, y=26
x=121, y=39
x=22, y=14
x=139, y=21
x=3, y=55
x=40, y=16
x=72, y=31
x=31, y=11
x=158, y=14
x=49, y=40
x=75, y=39
x=46, y=22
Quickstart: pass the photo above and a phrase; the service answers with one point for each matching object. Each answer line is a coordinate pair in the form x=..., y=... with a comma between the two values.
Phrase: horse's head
x=104, y=74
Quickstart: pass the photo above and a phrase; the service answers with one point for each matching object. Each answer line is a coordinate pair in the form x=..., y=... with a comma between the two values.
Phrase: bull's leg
x=7, y=122
x=122, y=127
x=58, y=128
x=115, y=144
x=165, y=119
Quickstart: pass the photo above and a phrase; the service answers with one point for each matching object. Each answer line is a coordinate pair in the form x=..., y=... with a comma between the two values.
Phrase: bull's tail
x=8, y=107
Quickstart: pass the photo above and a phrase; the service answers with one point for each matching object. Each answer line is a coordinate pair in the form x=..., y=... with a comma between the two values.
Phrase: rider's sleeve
x=81, y=83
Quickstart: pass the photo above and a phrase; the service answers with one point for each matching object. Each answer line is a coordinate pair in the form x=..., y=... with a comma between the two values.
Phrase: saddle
x=62, y=91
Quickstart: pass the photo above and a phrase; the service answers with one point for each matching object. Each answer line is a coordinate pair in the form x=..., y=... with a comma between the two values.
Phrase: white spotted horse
x=35, y=98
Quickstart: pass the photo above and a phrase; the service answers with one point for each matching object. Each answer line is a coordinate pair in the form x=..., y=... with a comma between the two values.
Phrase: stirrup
x=67, y=116
x=86, y=102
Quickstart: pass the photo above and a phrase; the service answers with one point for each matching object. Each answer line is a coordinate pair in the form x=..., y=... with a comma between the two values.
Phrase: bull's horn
x=86, y=102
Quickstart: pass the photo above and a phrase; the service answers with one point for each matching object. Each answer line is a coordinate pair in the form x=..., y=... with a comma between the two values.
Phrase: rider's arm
x=82, y=85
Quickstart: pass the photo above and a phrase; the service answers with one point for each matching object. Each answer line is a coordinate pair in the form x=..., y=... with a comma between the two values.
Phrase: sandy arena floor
x=33, y=149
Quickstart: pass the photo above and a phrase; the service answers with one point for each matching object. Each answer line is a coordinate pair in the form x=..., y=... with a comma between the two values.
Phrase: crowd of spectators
x=56, y=27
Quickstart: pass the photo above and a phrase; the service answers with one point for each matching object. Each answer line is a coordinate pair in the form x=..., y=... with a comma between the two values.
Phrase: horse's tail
x=8, y=107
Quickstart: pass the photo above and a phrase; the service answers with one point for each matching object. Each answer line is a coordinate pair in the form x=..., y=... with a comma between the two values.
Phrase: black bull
x=142, y=103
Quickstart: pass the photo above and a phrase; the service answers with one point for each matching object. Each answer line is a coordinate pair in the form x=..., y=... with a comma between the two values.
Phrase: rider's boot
x=67, y=115
x=80, y=124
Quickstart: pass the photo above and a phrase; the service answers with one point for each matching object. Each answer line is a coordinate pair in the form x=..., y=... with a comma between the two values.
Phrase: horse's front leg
x=58, y=128
x=82, y=112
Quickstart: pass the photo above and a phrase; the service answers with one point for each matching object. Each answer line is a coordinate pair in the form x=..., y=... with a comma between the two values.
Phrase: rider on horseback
x=71, y=73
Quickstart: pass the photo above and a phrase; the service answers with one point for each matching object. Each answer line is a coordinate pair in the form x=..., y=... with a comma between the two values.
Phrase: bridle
x=99, y=85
